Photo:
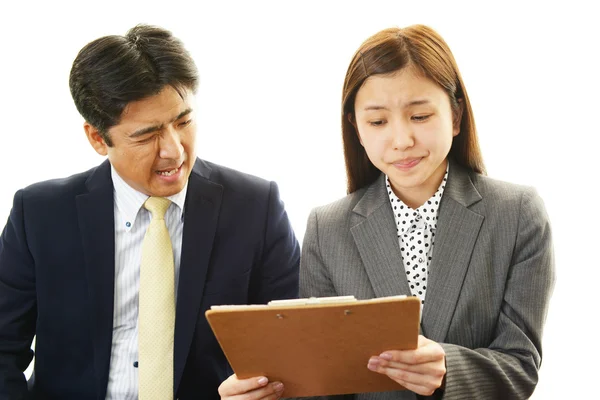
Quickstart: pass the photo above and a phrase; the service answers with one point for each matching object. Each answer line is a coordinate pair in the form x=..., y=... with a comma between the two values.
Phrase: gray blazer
x=490, y=280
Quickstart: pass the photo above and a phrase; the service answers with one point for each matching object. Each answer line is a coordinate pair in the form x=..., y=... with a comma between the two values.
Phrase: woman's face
x=406, y=125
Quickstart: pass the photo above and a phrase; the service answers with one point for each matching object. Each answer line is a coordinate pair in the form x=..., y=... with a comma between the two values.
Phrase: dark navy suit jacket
x=57, y=255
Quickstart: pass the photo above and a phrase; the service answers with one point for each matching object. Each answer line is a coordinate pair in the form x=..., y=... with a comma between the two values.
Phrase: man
x=112, y=269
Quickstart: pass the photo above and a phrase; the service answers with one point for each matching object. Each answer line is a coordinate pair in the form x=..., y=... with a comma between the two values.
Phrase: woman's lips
x=407, y=163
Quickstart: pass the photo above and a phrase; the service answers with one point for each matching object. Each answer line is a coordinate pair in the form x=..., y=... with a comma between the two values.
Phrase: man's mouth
x=169, y=172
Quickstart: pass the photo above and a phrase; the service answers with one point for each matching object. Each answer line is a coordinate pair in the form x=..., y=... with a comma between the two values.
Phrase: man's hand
x=257, y=388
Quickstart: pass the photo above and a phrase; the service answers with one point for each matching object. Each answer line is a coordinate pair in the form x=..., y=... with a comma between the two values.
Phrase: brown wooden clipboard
x=317, y=349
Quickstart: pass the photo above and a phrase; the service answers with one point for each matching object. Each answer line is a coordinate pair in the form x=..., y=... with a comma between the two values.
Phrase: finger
x=233, y=386
x=412, y=377
x=430, y=368
x=419, y=383
x=423, y=391
x=429, y=352
x=272, y=391
x=275, y=396
x=422, y=341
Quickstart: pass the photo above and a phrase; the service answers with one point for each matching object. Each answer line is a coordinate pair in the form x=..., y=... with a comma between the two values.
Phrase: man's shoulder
x=58, y=187
x=231, y=179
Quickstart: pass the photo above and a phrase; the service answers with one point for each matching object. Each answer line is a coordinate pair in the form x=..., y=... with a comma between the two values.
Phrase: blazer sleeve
x=508, y=368
x=314, y=280
x=17, y=304
x=277, y=272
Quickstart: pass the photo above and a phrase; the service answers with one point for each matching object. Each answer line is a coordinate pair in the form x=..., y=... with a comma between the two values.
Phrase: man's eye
x=185, y=123
x=145, y=139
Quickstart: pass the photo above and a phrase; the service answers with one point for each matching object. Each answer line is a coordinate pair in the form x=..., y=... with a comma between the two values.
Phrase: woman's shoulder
x=493, y=189
x=340, y=209
x=508, y=198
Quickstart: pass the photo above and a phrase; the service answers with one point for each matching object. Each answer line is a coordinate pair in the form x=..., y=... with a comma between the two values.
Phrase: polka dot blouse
x=416, y=235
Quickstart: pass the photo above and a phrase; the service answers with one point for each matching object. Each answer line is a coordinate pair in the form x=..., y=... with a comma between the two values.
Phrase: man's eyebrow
x=153, y=128
x=143, y=131
x=183, y=113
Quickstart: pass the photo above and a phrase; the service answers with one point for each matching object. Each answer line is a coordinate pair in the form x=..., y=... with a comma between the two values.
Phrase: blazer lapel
x=95, y=212
x=201, y=214
x=376, y=238
x=457, y=231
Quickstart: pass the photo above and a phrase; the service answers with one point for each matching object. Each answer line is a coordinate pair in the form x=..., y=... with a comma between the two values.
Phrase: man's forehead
x=165, y=105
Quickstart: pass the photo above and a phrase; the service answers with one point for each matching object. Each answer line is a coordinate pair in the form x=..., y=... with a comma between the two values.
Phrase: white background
x=269, y=104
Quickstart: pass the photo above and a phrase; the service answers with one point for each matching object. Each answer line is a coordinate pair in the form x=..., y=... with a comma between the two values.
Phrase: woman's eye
x=421, y=118
x=378, y=122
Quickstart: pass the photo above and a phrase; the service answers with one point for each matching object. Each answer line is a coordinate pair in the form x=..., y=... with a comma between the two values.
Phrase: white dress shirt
x=416, y=236
x=131, y=222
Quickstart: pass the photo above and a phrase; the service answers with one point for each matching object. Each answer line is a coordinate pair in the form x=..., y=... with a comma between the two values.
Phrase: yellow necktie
x=156, y=322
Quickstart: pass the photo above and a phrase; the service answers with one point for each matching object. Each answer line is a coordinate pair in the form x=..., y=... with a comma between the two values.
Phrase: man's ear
x=352, y=120
x=95, y=139
x=458, y=117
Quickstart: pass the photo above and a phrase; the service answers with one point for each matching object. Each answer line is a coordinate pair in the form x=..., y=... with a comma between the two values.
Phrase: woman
x=422, y=218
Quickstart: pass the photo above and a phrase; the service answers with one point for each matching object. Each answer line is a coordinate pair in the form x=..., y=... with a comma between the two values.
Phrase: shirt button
x=128, y=224
x=420, y=260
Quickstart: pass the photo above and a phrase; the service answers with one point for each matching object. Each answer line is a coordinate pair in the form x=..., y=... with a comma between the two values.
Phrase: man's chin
x=165, y=190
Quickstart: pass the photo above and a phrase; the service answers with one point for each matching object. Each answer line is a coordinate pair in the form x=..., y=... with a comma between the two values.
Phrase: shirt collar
x=129, y=201
x=408, y=219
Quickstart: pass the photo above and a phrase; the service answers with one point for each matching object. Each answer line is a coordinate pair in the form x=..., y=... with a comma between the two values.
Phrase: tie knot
x=157, y=206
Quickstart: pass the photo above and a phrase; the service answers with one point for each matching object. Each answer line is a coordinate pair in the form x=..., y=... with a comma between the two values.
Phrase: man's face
x=153, y=146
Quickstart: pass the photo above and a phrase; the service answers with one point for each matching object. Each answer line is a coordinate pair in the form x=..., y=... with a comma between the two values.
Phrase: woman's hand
x=421, y=370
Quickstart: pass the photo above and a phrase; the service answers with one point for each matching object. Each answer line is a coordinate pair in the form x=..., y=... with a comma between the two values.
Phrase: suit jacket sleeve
x=507, y=369
x=17, y=304
x=277, y=275
x=314, y=280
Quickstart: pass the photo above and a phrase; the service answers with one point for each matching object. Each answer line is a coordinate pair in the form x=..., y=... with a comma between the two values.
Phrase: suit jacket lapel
x=376, y=238
x=201, y=214
x=95, y=212
x=457, y=231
